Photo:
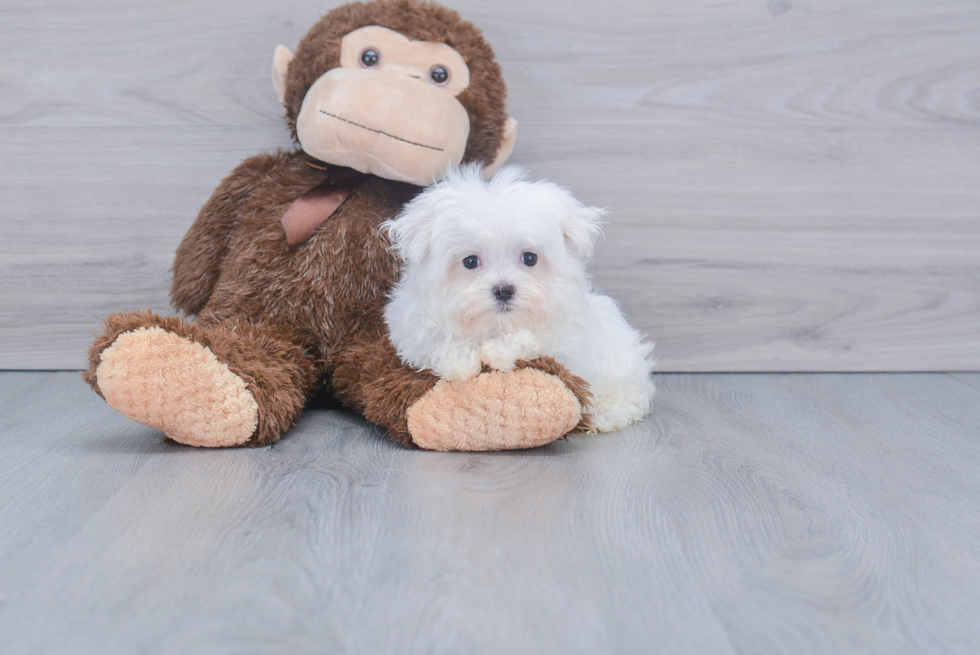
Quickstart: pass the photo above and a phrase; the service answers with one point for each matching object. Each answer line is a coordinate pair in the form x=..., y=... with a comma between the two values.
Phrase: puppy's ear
x=411, y=231
x=581, y=226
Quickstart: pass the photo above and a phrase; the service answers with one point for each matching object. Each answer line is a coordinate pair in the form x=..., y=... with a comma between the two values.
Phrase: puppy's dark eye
x=439, y=75
x=529, y=259
x=471, y=262
x=370, y=58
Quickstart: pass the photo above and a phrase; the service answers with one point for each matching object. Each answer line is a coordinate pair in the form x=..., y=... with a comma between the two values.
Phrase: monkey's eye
x=439, y=75
x=471, y=262
x=370, y=58
x=529, y=259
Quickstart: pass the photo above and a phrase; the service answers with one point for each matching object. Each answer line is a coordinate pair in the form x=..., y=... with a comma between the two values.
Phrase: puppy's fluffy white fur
x=446, y=316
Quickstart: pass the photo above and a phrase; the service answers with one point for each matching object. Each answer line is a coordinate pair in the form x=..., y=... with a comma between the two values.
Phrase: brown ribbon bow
x=315, y=206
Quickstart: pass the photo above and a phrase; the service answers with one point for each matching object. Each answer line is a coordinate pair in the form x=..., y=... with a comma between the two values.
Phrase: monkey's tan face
x=390, y=109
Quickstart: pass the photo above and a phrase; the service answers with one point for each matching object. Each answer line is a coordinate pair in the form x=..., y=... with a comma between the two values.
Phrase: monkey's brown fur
x=288, y=321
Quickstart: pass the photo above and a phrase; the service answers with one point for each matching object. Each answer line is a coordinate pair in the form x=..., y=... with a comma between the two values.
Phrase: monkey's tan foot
x=178, y=387
x=499, y=410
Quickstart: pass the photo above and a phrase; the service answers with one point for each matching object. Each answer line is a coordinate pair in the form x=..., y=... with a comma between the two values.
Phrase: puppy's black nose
x=504, y=292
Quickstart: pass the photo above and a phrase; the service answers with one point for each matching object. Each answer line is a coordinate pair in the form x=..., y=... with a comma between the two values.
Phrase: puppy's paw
x=526, y=344
x=502, y=353
x=498, y=354
x=460, y=366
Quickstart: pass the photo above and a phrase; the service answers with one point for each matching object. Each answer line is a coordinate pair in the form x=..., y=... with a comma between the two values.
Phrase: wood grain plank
x=91, y=223
x=77, y=484
x=750, y=513
x=834, y=65
x=734, y=249
x=793, y=184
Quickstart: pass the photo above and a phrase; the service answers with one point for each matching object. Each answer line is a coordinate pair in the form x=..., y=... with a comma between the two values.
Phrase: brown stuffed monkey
x=287, y=273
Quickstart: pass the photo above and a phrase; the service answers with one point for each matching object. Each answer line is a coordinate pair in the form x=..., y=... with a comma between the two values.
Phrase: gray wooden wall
x=794, y=185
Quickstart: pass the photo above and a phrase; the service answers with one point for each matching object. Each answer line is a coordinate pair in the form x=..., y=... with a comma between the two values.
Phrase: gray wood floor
x=793, y=184
x=771, y=513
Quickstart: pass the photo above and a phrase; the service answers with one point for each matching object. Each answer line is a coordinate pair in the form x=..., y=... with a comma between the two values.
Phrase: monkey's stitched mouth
x=371, y=129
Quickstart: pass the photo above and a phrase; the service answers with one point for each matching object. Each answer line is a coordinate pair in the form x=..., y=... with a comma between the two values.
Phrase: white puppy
x=495, y=272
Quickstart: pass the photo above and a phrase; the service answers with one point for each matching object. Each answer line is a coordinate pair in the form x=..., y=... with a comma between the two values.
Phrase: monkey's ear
x=503, y=152
x=280, y=64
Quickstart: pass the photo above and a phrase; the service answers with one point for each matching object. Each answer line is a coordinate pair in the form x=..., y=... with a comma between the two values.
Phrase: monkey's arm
x=200, y=255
